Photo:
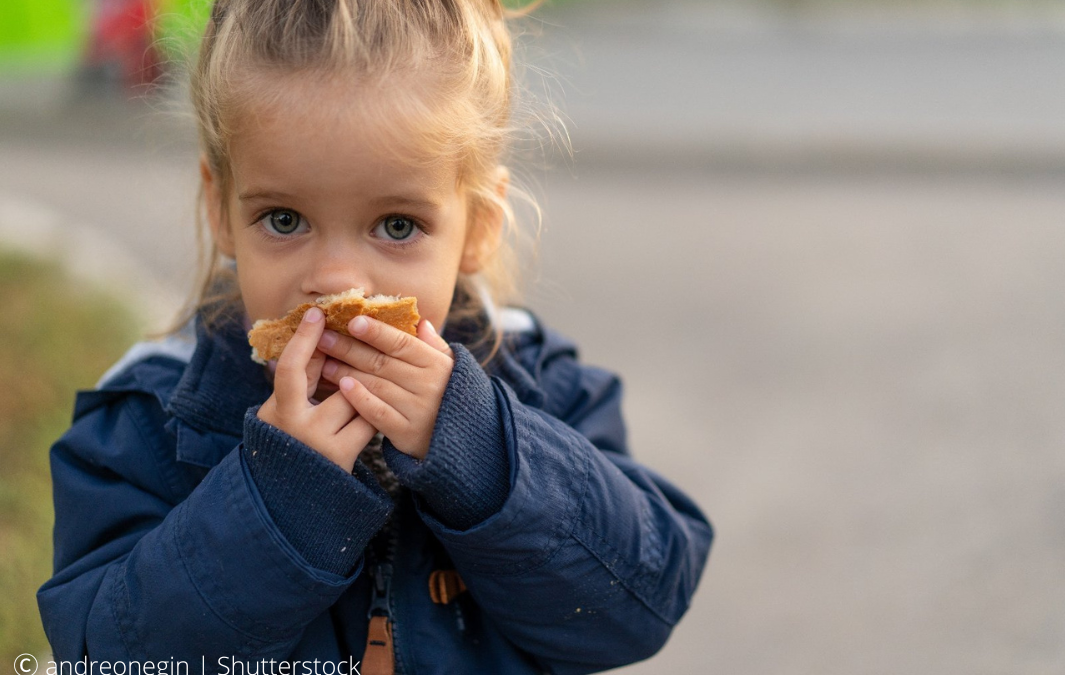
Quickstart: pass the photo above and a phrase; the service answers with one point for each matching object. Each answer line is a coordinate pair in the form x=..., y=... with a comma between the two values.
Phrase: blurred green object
x=38, y=34
x=43, y=362
x=53, y=35
x=180, y=26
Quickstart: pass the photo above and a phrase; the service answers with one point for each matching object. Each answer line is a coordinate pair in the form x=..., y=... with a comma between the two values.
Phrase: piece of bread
x=268, y=337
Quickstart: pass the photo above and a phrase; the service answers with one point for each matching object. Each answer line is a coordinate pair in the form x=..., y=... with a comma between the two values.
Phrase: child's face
x=318, y=205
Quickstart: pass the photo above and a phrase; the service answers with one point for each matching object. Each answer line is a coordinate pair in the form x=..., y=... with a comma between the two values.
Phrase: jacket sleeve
x=591, y=559
x=146, y=569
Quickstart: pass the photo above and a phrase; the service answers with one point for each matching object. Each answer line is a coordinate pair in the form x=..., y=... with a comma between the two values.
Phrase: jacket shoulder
x=152, y=368
x=120, y=428
x=543, y=367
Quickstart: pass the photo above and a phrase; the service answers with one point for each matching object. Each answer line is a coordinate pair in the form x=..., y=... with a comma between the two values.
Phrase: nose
x=337, y=267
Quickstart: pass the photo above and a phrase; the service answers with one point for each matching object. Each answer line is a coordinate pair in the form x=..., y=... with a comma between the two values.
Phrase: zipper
x=379, y=658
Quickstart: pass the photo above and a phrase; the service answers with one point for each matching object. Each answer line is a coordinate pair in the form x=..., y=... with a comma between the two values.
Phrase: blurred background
x=820, y=240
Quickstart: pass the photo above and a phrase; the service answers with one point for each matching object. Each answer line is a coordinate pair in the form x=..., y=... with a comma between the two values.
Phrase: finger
x=314, y=372
x=382, y=416
x=427, y=334
x=364, y=357
x=356, y=434
x=392, y=393
x=389, y=340
x=334, y=413
x=290, y=378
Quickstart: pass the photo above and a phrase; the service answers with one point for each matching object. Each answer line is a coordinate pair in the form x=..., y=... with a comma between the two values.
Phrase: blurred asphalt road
x=824, y=253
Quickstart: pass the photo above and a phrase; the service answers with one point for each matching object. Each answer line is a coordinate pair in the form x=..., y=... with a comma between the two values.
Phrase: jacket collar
x=221, y=381
x=504, y=364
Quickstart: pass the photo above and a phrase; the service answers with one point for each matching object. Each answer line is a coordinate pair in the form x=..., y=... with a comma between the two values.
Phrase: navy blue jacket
x=188, y=529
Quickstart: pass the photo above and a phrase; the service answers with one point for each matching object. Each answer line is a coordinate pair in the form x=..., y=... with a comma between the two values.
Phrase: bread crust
x=268, y=337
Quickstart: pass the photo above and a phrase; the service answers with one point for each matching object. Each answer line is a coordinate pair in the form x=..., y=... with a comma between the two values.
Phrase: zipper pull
x=382, y=592
x=379, y=657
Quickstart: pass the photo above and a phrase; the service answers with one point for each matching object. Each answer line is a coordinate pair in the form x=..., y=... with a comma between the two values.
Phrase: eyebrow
x=402, y=200
x=262, y=194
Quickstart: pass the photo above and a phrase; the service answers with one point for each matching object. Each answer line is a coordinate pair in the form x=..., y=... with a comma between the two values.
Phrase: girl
x=462, y=501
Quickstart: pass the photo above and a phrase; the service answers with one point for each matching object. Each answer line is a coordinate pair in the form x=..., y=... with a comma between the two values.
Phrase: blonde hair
x=464, y=45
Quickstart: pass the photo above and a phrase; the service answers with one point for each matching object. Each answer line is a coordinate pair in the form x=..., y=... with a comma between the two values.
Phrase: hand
x=332, y=427
x=394, y=380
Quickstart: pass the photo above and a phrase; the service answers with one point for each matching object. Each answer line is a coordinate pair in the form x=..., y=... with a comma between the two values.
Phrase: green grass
x=57, y=336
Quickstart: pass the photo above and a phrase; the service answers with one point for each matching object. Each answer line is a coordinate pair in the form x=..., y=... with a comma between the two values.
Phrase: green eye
x=283, y=221
x=398, y=227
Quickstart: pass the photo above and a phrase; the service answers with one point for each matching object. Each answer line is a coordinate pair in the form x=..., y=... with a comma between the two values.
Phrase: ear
x=486, y=227
x=212, y=196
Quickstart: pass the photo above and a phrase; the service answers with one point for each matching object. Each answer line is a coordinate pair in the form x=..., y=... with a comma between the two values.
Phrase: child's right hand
x=331, y=427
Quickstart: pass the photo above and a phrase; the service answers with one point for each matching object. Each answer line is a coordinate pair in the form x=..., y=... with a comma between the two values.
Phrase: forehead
x=315, y=128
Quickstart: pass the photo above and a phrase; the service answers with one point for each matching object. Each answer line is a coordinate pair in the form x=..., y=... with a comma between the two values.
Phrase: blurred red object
x=122, y=44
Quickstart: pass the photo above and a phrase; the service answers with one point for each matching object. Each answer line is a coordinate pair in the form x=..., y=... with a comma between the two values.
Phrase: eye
x=282, y=221
x=396, y=228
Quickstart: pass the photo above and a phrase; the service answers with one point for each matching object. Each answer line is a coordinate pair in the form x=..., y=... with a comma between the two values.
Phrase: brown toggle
x=379, y=659
x=445, y=586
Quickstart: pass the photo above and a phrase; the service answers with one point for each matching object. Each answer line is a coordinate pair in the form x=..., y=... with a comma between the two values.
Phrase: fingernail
x=313, y=315
x=347, y=383
x=330, y=368
x=432, y=328
x=359, y=325
x=328, y=339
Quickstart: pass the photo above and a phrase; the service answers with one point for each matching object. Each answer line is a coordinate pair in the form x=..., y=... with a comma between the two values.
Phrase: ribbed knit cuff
x=327, y=514
x=465, y=477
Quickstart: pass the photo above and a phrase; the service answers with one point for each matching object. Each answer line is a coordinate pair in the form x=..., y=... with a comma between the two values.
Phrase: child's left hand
x=393, y=380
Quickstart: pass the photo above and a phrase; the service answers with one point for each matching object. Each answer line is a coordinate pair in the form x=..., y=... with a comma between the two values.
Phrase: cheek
x=251, y=292
x=435, y=312
x=262, y=287
x=434, y=296
x=437, y=287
